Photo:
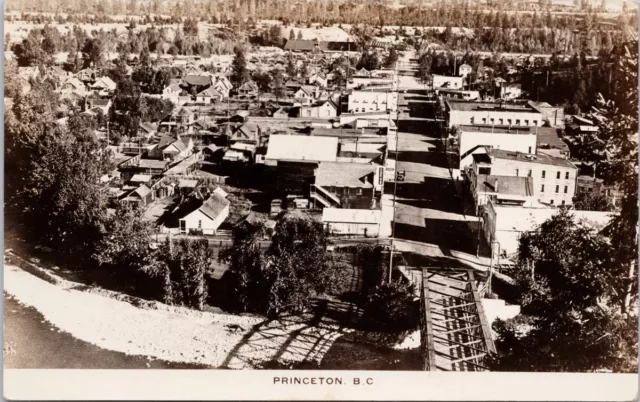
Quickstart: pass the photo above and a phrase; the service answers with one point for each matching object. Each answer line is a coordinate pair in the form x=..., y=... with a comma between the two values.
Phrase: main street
x=430, y=223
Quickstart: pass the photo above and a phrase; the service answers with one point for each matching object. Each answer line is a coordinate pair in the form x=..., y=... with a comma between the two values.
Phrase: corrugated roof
x=338, y=174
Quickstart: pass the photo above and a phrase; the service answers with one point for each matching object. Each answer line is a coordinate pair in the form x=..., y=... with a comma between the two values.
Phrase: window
x=551, y=202
x=517, y=122
x=562, y=202
x=566, y=189
x=509, y=121
x=501, y=122
x=535, y=122
x=542, y=189
x=359, y=191
x=558, y=175
x=526, y=122
x=484, y=170
x=199, y=224
x=530, y=172
x=492, y=120
x=517, y=172
x=472, y=119
x=566, y=175
x=557, y=189
x=544, y=174
x=529, y=149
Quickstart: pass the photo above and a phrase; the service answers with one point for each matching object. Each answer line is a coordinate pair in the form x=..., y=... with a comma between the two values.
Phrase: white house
x=223, y=85
x=208, y=217
x=362, y=222
x=104, y=85
x=172, y=92
x=72, y=85
x=179, y=149
x=325, y=109
x=209, y=95
x=306, y=94
x=319, y=79
x=464, y=70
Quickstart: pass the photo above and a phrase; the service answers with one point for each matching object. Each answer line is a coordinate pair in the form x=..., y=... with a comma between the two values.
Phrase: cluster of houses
x=327, y=148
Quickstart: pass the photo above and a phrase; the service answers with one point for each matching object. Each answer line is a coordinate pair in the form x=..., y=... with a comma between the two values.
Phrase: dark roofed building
x=303, y=45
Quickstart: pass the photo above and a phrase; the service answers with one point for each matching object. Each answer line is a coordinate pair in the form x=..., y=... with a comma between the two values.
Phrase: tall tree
x=239, y=72
x=56, y=189
x=569, y=294
x=293, y=271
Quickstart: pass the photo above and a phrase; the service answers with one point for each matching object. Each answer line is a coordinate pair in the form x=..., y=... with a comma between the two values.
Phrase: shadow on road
x=453, y=235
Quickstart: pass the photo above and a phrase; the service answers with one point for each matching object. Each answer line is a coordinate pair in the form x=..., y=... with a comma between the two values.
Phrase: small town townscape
x=440, y=185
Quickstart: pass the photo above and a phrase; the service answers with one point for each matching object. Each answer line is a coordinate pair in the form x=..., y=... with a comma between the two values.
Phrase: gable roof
x=308, y=89
x=249, y=86
x=214, y=205
x=141, y=191
x=339, y=174
x=75, y=83
x=197, y=80
x=105, y=82
x=211, y=91
x=165, y=141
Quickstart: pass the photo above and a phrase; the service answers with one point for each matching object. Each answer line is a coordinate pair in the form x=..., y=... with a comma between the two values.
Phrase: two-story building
x=371, y=101
x=346, y=185
x=323, y=109
x=474, y=138
x=554, y=178
x=492, y=113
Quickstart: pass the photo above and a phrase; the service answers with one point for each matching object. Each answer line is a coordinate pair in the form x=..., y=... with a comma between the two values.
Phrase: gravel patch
x=109, y=320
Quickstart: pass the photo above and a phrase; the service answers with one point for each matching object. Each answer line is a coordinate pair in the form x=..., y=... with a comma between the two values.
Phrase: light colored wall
x=525, y=143
x=208, y=226
x=466, y=117
x=506, y=167
x=454, y=82
x=357, y=101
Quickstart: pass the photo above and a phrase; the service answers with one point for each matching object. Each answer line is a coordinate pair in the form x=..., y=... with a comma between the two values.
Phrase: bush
x=391, y=307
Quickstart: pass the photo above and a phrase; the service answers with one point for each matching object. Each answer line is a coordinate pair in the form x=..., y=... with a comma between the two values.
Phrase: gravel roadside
x=169, y=333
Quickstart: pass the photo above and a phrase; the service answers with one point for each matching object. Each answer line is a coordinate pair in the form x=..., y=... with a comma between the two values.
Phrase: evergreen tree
x=239, y=72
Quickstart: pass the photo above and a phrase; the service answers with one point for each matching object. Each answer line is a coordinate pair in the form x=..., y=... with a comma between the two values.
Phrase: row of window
x=501, y=121
x=366, y=101
x=566, y=189
x=339, y=190
x=558, y=174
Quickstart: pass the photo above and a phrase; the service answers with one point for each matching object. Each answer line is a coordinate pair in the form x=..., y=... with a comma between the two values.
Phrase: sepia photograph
x=316, y=186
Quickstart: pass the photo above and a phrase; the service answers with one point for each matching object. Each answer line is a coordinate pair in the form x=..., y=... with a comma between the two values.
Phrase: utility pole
x=395, y=188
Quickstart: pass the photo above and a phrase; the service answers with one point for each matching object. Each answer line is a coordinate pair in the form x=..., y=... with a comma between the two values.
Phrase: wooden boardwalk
x=454, y=330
